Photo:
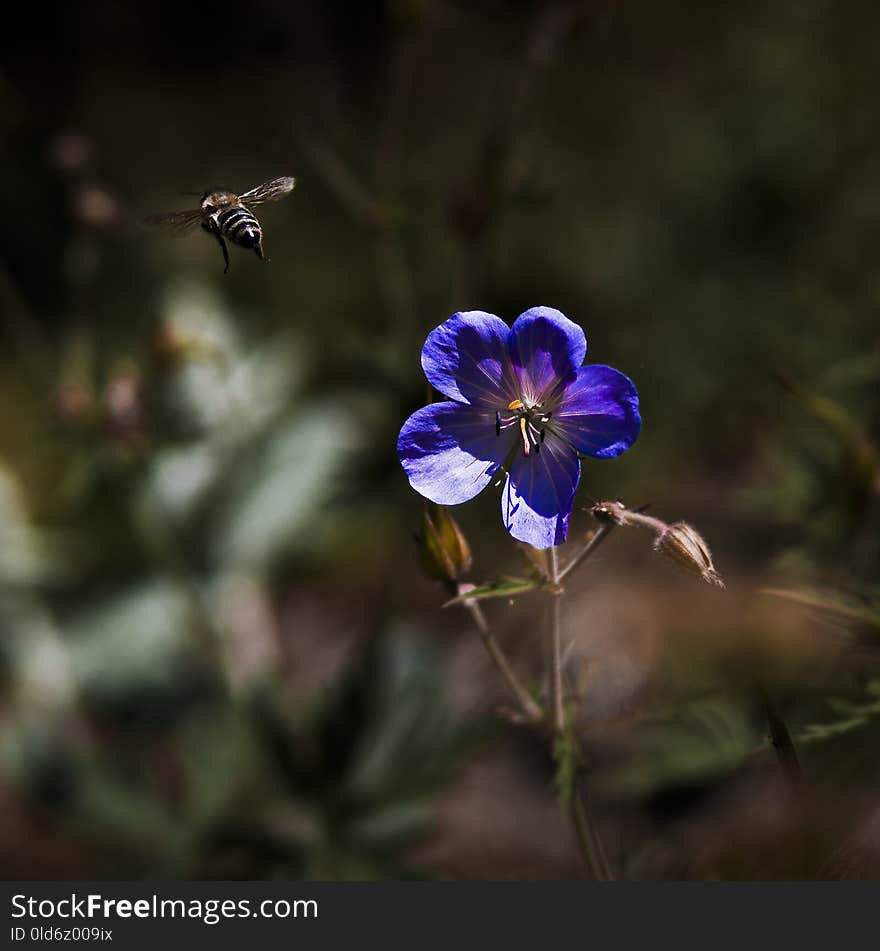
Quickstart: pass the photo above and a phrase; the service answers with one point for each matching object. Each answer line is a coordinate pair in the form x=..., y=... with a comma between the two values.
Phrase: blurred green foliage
x=217, y=656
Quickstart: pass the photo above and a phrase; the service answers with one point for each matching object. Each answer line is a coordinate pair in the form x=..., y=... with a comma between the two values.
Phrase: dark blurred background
x=218, y=657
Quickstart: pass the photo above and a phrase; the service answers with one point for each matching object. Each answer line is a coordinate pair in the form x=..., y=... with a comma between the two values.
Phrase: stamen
x=532, y=424
x=525, y=438
x=536, y=436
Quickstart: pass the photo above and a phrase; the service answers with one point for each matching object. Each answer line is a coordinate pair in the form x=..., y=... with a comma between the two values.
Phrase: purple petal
x=464, y=358
x=599, y=413
x=546, y=348
x=450, y=452
x=537, y=499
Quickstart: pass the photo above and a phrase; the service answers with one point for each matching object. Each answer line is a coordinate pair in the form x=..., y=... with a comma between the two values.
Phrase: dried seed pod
x=685, y=546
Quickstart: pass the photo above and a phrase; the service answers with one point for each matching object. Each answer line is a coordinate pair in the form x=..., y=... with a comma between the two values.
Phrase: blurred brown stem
x=390, y=265
x=783, y=744
x=596, y=539
x=24, y=332
x=503, y=160
x=339, y=180
x=588, y=839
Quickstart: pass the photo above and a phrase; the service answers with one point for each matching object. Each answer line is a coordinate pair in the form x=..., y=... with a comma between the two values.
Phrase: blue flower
x=519, y=402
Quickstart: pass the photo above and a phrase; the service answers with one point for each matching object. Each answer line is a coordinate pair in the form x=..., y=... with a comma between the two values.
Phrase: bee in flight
x=227, y=216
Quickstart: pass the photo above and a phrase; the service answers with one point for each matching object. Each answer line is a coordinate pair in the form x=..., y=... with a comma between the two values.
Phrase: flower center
x=532, y=422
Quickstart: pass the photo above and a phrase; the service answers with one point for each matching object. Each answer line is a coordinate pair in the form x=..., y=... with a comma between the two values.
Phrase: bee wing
x=177, y=222
x=268, y=191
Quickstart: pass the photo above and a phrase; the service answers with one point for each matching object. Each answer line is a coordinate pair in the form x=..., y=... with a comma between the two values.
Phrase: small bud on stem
x=679, y=541
x=444, y=552
x=685, y=546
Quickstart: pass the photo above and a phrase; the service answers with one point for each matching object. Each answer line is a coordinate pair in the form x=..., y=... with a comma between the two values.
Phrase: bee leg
x=259, y=252
x=222, y=243
x=211, y=227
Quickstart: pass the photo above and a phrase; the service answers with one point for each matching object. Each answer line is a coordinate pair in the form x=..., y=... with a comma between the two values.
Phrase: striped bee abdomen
x=240, y=227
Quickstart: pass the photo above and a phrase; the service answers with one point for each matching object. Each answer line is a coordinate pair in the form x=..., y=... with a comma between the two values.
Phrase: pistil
x=532, y=423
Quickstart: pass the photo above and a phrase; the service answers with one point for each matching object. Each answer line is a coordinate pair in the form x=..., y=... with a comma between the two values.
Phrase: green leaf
x=862, y=457
x=694, y=743
x=279, y=499
x=829, y=604
x=852, y=715
x=134, y=640
x=505, y=588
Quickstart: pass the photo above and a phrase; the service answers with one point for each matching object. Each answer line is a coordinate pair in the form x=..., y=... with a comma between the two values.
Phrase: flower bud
x=444, y=552
x=686, y=547
x=610, y=512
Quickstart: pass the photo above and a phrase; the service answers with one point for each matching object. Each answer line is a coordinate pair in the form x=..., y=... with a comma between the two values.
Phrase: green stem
x=529, y=707
x=557, y=706
x=783, y=745
x=589, y=842
x=596, y=539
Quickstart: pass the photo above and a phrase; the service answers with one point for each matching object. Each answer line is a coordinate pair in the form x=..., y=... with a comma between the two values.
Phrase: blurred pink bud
x=71, y=152
x=96, y=207
x=73, y=400
x=123, y=404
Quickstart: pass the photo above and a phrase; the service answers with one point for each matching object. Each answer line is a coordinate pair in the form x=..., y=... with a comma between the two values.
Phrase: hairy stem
x=529, y=707
x=589, y=842
x=783, y=744
x=596, y=539
x=557, y=706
